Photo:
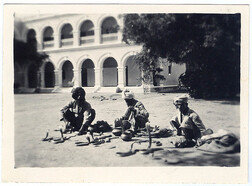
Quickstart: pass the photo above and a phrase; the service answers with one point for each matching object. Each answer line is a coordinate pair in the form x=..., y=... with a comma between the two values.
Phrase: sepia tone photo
x=126, y=89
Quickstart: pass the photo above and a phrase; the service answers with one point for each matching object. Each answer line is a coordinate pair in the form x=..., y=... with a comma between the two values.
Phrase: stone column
x=77, y=77
x=26, y=83
x=39, y=42
x=76, y=38
x=21, y=78
x=120, y=33
x=98, y=74
x=42, y=80
x=57, y=41
x=97, y=35
x=121, y=79
x=58, y=78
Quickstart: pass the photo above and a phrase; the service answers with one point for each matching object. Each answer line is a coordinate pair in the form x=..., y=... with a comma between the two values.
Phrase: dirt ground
x=37, y=113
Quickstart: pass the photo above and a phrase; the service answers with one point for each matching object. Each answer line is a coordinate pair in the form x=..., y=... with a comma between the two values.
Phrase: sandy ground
x=37, y=113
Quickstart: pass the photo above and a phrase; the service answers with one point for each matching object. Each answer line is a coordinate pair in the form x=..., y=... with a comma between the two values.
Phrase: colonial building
x=84, y=50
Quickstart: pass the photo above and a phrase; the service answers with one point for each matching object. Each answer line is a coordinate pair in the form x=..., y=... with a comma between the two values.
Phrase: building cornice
x=94, y=47
x=40, y=17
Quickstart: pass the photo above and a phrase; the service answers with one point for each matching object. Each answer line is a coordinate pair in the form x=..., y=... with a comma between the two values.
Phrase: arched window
x=48, y=34
x=109, y=30
x=31, y=39
x=109, y=26
x=67, y=31
x=31, y=36
x=67, y=35
x=48, y=37
x=87, y=32
x=87, y=29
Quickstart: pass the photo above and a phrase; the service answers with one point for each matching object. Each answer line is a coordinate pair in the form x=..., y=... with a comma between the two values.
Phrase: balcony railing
x=48, y=44
x=66, y=42
x=105, y=38
x=86, y=40
x=109, y=37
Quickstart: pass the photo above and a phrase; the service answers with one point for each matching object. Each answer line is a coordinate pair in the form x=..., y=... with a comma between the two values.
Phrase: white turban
x=127, y=94
x=180, y=100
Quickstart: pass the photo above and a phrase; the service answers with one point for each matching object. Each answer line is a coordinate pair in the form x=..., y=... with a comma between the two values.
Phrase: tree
x=25, y=53
x=209, y=44
x=148, y=65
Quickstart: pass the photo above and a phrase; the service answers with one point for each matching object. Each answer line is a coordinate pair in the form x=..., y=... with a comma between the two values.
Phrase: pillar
x=26, y=83
x=76, y=38
x=39, y=42
x=121, y=77
x=97, y=35
x=77, y=77
x=58, y=78
x=57, y=41
x=42, y=80
x=98, y=82
x=21, y=78
x=120, y=34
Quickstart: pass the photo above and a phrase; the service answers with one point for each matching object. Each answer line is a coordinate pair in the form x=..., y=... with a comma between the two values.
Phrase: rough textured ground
x=36, y=113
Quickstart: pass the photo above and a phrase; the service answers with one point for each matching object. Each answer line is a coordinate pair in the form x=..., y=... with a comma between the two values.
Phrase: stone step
x=160, y=89
x=69, y=89
x=107, y=89
x=33, y=90
x=25, y=90
x=46, y=90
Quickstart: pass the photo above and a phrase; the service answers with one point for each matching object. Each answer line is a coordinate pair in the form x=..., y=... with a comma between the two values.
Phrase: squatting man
x=78, y=116
x=187, y=123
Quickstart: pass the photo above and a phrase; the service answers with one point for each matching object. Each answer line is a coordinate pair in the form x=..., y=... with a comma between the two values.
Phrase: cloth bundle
x=221, y=142
x=101, y=126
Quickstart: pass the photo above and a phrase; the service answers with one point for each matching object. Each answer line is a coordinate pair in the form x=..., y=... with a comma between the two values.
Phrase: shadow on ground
x=197, y=158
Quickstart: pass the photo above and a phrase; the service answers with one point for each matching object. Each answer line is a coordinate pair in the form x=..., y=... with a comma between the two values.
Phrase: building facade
x=84, y=50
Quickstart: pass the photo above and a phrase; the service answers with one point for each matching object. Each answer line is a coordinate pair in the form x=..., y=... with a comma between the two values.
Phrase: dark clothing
x=79, y=114
x=188, y=125
x=138, y=113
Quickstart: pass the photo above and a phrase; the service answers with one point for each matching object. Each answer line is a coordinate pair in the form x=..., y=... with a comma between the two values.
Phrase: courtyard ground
x=37, y=113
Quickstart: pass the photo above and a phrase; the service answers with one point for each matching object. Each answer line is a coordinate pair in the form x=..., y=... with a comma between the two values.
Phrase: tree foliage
x=209, y=44
x=147, y=63
x=26, y=52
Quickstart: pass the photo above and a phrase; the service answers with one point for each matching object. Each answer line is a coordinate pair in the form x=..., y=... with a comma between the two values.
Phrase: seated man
x=78, y=114
x=187, y=122
x=135, y=116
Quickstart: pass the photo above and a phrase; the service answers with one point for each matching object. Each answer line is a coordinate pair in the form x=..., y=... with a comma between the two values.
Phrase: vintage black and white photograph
x=151, y=88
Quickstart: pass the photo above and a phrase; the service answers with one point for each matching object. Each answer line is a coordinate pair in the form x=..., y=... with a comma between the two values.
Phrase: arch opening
x=132, y=73
x=110, y=73
x=49, y=75
x=31, y=38
x=67, y=74
x=32, y=76
x=87, y=73
x=48, y=37
x=19, y=78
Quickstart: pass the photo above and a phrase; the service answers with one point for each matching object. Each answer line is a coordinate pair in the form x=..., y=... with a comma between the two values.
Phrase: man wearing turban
x=135, y=116
x=187, y=122
x=78, y=114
